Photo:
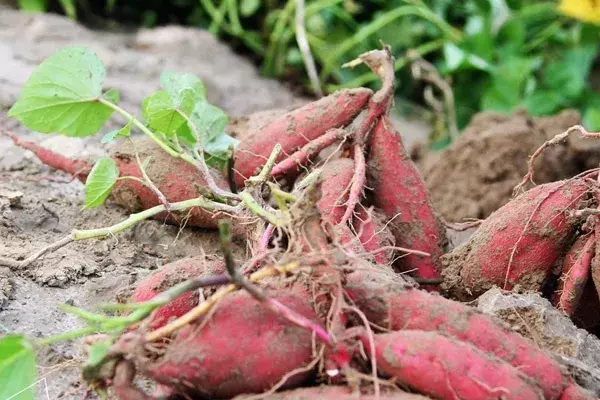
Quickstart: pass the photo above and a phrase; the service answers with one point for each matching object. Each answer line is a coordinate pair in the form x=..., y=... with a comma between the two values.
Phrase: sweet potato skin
x=392, y=305
x=297, y=128
x=446, y=369
x=399, y=191
x=175, y=178
x=170, y=275
x=243, y=348
x=334, y=182
x=483, y=261
x=374, y=235
x=575, y=274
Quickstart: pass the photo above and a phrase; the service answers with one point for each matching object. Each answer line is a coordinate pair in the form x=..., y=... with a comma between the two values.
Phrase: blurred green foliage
x=496, y=54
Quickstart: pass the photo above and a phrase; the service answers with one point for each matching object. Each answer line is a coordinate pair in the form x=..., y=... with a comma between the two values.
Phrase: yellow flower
x=585, y=10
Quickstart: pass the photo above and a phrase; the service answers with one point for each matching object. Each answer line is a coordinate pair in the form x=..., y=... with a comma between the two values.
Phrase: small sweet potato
x=333, y=185
x=575, y=274
x=242, y=348
x=400, y=192
x=447, y=369
x=517, y=244
x=296, y=128
x=170, y=275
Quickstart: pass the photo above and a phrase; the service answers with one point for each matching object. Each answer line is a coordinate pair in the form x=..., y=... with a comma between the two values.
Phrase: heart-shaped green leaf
x=17, y=368
x=100, y=182
x=63, y=95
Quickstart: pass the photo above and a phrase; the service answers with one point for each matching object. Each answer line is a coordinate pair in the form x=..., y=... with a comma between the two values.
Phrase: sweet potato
x=575, y=274
x=447, y=369
x=517, y=244
x=175, y=178
x=400, y=192
x=374, y=235
x=574, y=392
x=242, y=348
x=340, y=393
x=296, y=129
x=333, y=184
x=392, y=304
x=170, y=275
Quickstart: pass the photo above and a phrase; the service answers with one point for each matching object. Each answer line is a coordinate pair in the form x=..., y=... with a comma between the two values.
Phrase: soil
x=476, y=174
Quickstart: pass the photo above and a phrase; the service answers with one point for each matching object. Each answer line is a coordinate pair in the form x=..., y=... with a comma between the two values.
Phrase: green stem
x=141, y=127
x=400, y=63
x=546, y=33
x=256, y=209
x=132, y=178
x=63, y=337
x=275, y=37
x=218, y=16
x=232, y=10
x=364, y=33
x=134, y=219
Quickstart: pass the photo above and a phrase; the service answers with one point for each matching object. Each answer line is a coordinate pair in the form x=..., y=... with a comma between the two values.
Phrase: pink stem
x=300, y=320
x=308, y=151
x=360, y=170
x=266, y=236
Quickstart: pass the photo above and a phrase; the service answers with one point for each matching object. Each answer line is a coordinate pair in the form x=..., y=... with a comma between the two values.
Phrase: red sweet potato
x=574, y=392
x=333, y=184
x=517, y=244
x=374, y=234
x=575, y=274
x=400, y=192
x=175, y=178
x=447, y=369
x=170, y=275
x=389, y=303
x=242, y=348
x=340, y=393
x=296, y=129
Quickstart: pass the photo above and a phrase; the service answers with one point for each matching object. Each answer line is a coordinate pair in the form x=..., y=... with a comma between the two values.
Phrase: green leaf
x=17, y=368
x=454, y=56
x=161, y=113
x=249, y=7
x=33, y=5
x=544, y=102
x=218, y=151
x=210, y=122
x=569, y=74
x=591, y=119
x=166, y=110
x=100, y=182
x=97, y=352
x=112, y=95
x=62, y=95
x=123, y=132
x=183, y=88
x=507, y=88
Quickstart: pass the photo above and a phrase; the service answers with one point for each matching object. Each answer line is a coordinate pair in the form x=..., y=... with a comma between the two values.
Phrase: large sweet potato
x=518, y=244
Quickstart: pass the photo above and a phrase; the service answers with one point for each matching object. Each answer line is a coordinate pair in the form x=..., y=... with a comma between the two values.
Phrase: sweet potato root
x=374, y=235
x=167, y=277
x=392, y=305
x=575, y=274
x=400, y=192
x=296, y=129
x=340, y=393
x=447, y=369
x=242, y=348
x=517, y=244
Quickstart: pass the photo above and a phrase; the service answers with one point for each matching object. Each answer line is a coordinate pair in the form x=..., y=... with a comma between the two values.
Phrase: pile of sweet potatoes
x=362, y=311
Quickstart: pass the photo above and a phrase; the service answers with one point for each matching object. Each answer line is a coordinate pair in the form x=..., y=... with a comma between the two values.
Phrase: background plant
x=496, y=54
